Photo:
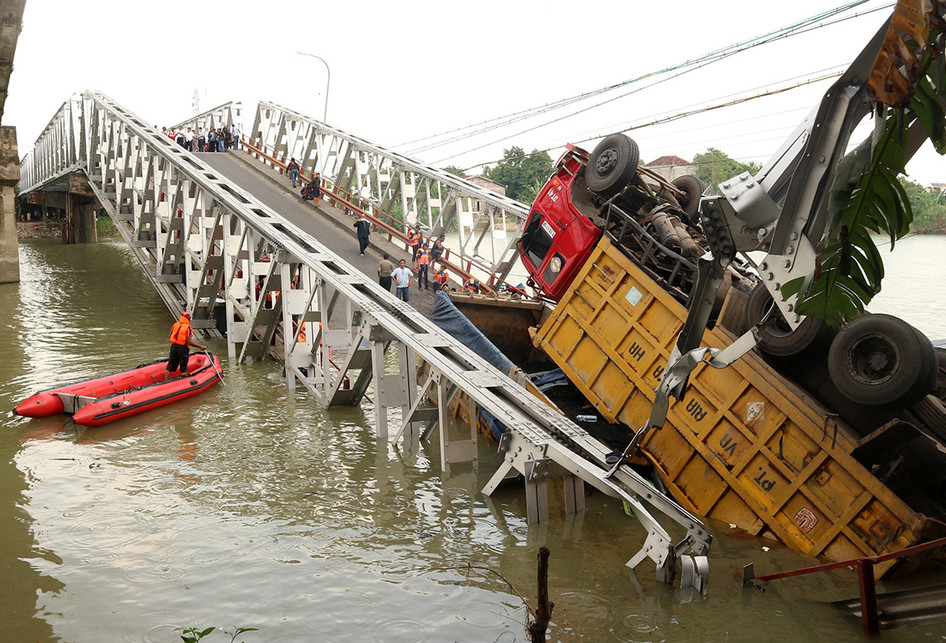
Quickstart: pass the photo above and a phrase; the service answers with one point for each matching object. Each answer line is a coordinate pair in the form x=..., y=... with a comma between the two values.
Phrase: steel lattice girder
x=204, y=242
x=380, y=178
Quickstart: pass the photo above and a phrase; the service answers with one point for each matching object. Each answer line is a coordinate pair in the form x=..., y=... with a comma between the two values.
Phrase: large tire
x=693, y=188
x=612, y=165
x=777, y=338
x=880, y=360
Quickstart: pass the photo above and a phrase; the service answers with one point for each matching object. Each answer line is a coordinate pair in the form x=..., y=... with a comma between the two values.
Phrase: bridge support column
x=80, y=220
x=9, y=177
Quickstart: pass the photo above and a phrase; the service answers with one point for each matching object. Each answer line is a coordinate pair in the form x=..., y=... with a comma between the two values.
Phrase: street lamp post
x=328, y=80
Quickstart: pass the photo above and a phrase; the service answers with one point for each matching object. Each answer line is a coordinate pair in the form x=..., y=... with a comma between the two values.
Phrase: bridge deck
x=329, y=225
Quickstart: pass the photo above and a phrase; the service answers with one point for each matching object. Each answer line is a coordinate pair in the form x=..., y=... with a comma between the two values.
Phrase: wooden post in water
x=543, y=612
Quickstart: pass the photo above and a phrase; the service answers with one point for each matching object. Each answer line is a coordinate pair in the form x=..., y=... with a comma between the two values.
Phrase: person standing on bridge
x=423, y=267
x=182, y=336
x=363, y=226
x=403, y=276
x=385, y=268
x=293, y=168
x=235, y=133
x=413, y=240
x=437, y=251
x=317, y=188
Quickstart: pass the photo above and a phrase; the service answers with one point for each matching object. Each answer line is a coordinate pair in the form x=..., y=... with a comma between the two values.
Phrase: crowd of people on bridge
x=214, y=139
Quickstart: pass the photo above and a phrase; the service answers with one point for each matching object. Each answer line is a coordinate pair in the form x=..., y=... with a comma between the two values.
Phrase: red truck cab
x=558, y=238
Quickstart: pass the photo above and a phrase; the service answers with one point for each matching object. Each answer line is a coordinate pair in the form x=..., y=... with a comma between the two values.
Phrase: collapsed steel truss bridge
x=249, y=276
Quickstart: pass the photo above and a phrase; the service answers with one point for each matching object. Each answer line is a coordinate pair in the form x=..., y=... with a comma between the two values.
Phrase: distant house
x=670, y=167
x=486, y=184
x=937, y=187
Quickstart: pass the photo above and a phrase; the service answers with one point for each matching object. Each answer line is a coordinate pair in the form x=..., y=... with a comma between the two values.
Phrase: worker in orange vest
x=182, y=336
x=413, y=240
x=441, y=278
x=472, y=285
x=423, y=267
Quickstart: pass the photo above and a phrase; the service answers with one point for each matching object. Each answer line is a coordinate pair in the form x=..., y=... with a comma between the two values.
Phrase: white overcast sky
x=405, y=70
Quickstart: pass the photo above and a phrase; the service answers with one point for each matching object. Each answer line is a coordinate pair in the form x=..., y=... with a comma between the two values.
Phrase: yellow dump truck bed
x=745, y=445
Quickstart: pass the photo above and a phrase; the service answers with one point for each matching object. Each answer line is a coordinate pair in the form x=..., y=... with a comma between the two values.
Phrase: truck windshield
x=536, y=242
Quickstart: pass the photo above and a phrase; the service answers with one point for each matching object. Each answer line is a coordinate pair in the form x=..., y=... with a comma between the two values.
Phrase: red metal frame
x=865, y=577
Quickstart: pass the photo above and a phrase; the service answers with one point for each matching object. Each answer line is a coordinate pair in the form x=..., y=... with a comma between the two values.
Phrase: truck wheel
x=612, y=165
x=693, y=188
x=928, y=377
x=880, y=360
x=777, y=338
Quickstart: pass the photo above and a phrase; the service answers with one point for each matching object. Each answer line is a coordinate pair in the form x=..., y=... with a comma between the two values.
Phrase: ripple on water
x=167, y=630
x=151, y=573
x=632, y=626
x=106, y=531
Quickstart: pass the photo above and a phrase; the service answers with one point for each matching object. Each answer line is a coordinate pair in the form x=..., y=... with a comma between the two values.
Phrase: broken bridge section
x=270, y=289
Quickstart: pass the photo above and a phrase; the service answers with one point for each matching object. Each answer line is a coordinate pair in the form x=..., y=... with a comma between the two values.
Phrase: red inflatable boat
x=112, y=397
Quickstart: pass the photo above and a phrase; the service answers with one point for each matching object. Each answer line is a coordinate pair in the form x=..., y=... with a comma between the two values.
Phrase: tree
x=453, y=169
x=715, y=166
x=929, y=207
x=523, y=175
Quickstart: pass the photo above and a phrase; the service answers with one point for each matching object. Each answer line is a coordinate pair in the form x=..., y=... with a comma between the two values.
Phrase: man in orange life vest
x=181, y=338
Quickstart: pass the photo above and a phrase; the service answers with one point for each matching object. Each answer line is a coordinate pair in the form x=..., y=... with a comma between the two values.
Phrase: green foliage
x=868, y=197
x=714, y=166
x=453, y=169
x=193, y=635
x=523, y=175
x=105, y=226
x=929, y=208
x=237, y=631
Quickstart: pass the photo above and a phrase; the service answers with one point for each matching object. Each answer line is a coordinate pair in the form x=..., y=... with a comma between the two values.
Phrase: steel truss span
x=250, y=276
x=385, y=182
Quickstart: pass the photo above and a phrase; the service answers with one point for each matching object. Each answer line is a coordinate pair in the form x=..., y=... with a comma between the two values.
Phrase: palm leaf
x=867, y=196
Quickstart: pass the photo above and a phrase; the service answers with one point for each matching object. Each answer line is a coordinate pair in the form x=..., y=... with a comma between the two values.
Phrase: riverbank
x=51, y=230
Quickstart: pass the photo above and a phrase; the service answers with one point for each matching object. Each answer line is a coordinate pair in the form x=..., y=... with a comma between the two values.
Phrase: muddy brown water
x=252, y=507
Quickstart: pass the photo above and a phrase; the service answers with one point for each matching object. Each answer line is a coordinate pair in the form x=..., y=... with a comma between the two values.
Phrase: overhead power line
x=679, y=115
x=815, y=22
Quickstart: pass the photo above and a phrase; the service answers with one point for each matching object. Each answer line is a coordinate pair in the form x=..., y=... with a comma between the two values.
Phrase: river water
x=250, y=507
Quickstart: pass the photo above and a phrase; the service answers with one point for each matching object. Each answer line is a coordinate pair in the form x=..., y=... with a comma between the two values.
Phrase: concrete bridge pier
x=80, y=219
x=75, y=197
x=9, y=177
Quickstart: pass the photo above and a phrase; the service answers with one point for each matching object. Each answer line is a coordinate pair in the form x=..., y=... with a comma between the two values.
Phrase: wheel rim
x=777, y=326
x=873, y=359
x=606, y=161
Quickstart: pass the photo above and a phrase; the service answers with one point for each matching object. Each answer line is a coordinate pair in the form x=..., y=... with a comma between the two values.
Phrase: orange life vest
x=471, y=284
x=423, y=257
x=413, y=239
x=180, y=331
x=441, y=278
